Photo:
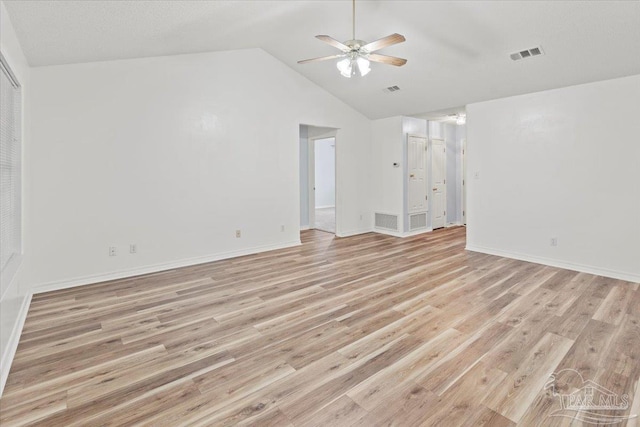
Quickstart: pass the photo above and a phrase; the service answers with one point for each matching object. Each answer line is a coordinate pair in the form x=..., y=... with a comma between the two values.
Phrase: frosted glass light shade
x=349, y=66
x=345, y=66
x=363, y=66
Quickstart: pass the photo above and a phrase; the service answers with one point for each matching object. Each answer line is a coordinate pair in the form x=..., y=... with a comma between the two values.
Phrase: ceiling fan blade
x=384, y=42
x=322, y=58
x=391, y=60
x=333, y=42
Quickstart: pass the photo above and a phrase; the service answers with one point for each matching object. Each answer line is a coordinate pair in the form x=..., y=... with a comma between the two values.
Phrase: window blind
x=10, y=166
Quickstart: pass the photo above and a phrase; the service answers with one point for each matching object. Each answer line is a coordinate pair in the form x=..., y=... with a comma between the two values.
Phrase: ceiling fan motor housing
x=355, y=45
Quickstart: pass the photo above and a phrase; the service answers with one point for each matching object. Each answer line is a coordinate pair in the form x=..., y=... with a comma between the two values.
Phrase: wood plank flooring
x=365, y=331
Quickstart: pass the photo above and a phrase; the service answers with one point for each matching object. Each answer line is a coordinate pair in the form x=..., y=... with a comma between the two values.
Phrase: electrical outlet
x=282, y=228
x=476, y=175
x=112, y=251
x=554, y=241
x=133, y=248
x=238, y=233
x=360, y=217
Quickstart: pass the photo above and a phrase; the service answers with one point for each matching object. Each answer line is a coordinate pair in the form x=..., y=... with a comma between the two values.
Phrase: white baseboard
x=325, y=207
x=401, y=235
x=621, y=275
x=416, y=232
x=304, y=227
x=353, y=232
x=387, y=232
x=12, y=344
x=122, y=274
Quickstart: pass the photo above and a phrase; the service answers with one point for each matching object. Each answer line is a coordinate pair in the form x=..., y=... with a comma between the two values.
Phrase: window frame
x=10, y=268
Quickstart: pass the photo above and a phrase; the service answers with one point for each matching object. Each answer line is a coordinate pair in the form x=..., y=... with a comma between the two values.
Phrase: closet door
x=417, y=170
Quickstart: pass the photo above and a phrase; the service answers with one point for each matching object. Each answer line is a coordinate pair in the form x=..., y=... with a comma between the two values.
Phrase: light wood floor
x=325, y=220
x=367, y=330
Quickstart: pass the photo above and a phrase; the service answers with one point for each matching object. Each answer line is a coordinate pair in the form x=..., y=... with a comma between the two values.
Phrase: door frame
x=463, y=214
x=432, y=181
x=311, y=182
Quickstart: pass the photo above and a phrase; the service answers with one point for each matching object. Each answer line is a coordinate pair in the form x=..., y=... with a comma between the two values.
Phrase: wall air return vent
x=527, y=53
x=391, y=89
x=417, y=221
x=386, y=221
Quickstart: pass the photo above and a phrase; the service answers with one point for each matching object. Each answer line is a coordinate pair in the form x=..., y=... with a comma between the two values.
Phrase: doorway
x=324, y=184
x=439, y=188
x=318, y=170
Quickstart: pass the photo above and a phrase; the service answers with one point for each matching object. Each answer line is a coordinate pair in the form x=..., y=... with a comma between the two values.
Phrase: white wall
x=387, y=180
x=436, y=129
x=14, y=297
x=414, y=126
x=389, y=189
x=175, y=154
x=562, y=163
x=325, y=172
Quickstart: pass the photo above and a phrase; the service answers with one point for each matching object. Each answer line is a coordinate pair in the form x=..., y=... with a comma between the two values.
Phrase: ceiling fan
x=459, y=118
x=356, y=54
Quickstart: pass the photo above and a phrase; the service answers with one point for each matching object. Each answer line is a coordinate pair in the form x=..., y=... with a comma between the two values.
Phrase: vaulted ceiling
x=458, y=52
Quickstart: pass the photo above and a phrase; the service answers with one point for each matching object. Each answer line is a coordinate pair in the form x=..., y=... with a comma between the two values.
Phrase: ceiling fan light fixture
x=351, y=66
x=345, y=66
x=363, y=66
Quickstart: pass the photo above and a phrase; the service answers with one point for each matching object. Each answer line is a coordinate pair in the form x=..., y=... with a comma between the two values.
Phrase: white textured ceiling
x=457, y=51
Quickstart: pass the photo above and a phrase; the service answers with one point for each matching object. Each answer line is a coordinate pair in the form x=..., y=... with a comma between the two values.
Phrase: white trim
x=416, y=232
x=4, y=66
x=304, y=227
x=442, y=141
x=331, y=134
x=463, y=183
x=354, y=232
x=402, y=235
x=97, y=278
x=418, y=135
x=325, y=207
x=614, y=274
x=387, y=232
x=12, y=344
x=311, y=181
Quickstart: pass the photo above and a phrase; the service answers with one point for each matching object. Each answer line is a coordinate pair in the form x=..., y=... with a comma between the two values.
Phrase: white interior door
x=416, y=161
x=439, y=189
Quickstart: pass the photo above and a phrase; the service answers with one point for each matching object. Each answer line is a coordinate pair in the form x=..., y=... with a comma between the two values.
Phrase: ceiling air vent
x=527, y=53
x=391, y=89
